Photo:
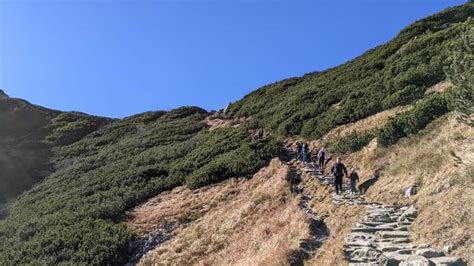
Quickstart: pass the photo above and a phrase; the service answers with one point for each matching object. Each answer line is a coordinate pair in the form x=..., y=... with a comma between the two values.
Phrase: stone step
x=448, y=261
x=372, y=229
x=429, y=253
x=392, y=234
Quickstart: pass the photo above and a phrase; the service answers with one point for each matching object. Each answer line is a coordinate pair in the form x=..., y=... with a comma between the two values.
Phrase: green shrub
x=404, y=97
x=317, y=102
x=414, y=120
x=352, y=142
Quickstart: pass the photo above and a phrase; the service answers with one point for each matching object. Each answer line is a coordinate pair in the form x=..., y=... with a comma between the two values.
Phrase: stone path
x=383, y=236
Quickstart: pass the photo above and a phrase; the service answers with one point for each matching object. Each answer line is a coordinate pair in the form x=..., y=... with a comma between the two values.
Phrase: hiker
x=338, y=170
x=321, y=158
x=298, y=150
x=304, y=150
x=354, y=176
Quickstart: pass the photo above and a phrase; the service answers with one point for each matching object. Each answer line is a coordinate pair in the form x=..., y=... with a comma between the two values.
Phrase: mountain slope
x=28, y=135
x=99, y=168
x=73, y=212
x=393, y=74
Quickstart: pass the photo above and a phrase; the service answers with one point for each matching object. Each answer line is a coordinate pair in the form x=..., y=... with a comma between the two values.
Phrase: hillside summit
x=192, y=187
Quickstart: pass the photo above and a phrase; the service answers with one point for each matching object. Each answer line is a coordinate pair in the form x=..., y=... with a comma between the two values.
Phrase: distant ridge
x=3, y=95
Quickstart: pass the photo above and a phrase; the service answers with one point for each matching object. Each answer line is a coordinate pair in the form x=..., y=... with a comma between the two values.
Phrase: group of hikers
x=338, y=169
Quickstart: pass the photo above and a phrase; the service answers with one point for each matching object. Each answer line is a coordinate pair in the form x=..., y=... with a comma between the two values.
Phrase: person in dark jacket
x=354, y=176
x=338, y=170
x=306, y=153
x=298, y=150
x=321, y=158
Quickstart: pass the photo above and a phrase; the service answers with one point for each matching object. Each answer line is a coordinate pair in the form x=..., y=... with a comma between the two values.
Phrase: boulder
x=429, y=253
x=410, y=191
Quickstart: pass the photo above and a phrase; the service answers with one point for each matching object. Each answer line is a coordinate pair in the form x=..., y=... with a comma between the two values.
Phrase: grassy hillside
x=98, y=168
x=396, y=73
x=27, y=136
x=71, y=215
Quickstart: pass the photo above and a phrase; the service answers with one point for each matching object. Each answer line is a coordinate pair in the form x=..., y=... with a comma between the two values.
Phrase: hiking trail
x=383, y=236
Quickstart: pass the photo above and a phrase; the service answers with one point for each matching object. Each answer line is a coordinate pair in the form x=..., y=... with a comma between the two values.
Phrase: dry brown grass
x=439, y=87
x=442, y=154
x=257, y=222
x=372, y=122
x=253, y=222
x=215, y=123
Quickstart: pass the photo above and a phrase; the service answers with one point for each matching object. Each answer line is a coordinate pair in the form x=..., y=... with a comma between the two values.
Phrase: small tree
x=461, y=73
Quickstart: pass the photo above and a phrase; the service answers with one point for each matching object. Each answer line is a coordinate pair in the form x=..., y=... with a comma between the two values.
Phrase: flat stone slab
x=429, y=253
x=448, y=261
x=415, y=261
x=393, y=234
x=372, y=229
x=392, y=258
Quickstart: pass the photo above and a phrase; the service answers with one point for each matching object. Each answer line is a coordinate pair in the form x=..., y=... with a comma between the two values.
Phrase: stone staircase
x=383, y=236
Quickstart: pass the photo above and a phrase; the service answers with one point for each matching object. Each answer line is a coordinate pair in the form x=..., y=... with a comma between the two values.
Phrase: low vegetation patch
x=72, y=215
x=414, y=120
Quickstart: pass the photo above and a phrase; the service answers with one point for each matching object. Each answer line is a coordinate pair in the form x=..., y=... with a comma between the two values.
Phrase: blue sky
x=118, y=58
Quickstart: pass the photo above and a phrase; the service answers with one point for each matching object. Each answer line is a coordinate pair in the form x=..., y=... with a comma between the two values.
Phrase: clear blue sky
x=117, y=58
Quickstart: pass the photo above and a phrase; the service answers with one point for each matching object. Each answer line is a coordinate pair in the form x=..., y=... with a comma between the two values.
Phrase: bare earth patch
x=439, y=87
x=239, y=222
x=215, y=123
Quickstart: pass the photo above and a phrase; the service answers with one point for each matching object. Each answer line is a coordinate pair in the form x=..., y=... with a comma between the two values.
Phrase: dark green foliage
x=186, y=218
x=97, y=168
x=352, y=142
x=25, y=151
x=461, y=73
x=72, y=216
x=404, y=96
x=242, y=161
x=312, y=105
x=412, y=121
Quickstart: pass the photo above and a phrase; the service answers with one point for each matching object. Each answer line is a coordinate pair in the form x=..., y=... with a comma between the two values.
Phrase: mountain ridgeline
x=78, y=174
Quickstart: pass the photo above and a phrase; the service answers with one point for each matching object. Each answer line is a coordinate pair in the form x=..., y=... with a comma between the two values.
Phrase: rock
x=392, y=258
x=415, y=261
x=410, y=191
x=448, y=261
x=393, y=234
x=372, y=229
x=409, y=214
x=447, y=185
x=448, y=248
x=365, y=254
x=429, y=253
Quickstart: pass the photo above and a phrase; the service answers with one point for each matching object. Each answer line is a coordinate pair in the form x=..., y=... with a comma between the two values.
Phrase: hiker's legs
x=353, y=186
x=336, y=186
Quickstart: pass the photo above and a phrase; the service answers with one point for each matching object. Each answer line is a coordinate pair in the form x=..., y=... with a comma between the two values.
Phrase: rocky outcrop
x=150, y=241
